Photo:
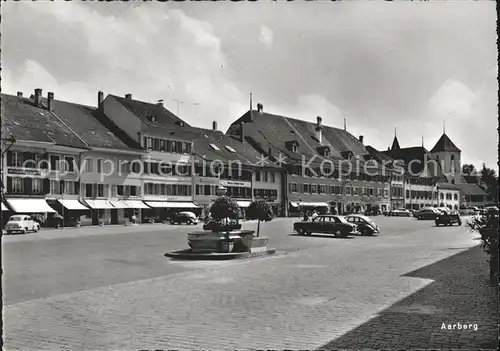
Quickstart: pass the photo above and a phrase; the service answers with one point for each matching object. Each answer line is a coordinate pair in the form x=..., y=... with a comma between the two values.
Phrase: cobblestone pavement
x=317, y=291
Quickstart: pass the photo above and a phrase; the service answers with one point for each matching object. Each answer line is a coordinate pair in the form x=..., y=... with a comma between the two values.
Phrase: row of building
x=125, y=157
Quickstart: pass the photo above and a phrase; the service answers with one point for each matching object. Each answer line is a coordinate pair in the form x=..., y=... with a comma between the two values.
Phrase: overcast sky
x=380, y=65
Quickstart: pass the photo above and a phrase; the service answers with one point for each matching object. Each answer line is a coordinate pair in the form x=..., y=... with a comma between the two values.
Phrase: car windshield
x=15, y=218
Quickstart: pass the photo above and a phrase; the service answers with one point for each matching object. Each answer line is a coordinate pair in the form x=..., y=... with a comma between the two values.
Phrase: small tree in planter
x=260, y=210
x=222, y=208
x=487, y=225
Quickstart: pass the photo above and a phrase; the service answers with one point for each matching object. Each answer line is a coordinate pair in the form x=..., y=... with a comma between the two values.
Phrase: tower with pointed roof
x=448, y=154
x=395, y=142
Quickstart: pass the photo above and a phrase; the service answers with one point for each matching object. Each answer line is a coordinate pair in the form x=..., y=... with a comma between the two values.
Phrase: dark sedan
x=364, y=224
x=448, y=218
x=326, y=224
x=427, y=213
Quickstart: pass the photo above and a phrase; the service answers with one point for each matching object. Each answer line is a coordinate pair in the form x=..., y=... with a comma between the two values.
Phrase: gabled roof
x=377, y=155
x=144, y=110
x=83, y=120
x=445, y=144
x=244, y=153
x=266, y=131
x=472, y=189
x=26, y=121
x=448, y=186
x=415, y=159
x=395, y=144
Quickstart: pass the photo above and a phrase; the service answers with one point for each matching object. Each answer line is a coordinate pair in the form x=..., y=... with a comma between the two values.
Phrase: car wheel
x=338, y=234
x=9, y=231
x=459, y=223
x=36, y=228
x=172, y=222
x=437, y=224
x=309, y=233
x=24, y=231
x=300, y=232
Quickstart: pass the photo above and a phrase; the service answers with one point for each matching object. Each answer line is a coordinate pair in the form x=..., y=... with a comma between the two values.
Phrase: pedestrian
x=314, y=215
x=133, y=218
x=306, y=216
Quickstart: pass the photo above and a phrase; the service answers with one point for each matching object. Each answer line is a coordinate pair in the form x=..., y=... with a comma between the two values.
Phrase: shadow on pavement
x=460, y=293
x=322, y=236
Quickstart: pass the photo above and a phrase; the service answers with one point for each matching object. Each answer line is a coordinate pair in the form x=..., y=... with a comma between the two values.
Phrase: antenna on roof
x=444, y=126
x=394, y=131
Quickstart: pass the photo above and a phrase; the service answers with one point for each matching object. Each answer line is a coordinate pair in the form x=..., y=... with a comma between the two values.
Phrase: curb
x=187, y=254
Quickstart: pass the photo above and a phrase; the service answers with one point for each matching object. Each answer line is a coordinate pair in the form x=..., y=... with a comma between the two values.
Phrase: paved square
x=118, y=292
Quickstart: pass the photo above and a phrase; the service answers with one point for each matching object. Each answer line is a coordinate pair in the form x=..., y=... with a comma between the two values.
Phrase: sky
x=409, y=67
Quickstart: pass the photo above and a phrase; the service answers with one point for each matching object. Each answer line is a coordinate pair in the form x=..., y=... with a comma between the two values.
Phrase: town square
x=249, y=176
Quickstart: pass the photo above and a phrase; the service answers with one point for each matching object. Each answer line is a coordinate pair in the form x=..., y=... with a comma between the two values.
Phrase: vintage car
x=448, y=218
x=427, y=213
x=364, y=224
x=326, y=224
x=400, y=212
x=22, y=224
x=184, y=218
x=222, y=226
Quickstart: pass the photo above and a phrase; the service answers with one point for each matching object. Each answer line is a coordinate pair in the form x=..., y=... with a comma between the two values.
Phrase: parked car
x=225, y=225
x=400, y=212
x=364, y=224
x=326, y=224
x=491, y=210
x=448, y=218
x=21, y=223
x=427, y=213
x=184, y=218
x=373, y=212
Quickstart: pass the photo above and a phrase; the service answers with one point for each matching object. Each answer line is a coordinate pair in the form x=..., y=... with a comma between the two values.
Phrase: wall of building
x=449, y=198
x=122, y=117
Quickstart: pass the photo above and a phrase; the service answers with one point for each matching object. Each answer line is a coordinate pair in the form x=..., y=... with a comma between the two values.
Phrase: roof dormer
x=292, y=145
x=347, y=154
x=324, y=150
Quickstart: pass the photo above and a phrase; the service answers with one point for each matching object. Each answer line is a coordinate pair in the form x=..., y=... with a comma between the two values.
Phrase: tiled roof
x=244, y=152
x=84, y=122
x=444, y=144
x=414, y=158
x=448, y=186
x=144, y=111
x=377, y=155
x=266, y=131
x=471, y=189
x=25, y=121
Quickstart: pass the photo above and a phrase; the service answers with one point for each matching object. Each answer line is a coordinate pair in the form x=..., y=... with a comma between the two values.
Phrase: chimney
x=159, y=103
x=260, y=108
x=38, y=96
x=319, y=129
x=19, y=94
x=345, y=126
x=50, y=100
x=128, y=96
x=214, y=125
x=100, y=98
x=361, y=139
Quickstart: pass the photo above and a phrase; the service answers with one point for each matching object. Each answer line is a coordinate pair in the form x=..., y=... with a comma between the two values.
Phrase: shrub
x=260, y=210
x=224, y=207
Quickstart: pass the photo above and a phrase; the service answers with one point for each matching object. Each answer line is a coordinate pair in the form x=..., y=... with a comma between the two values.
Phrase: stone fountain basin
x=209, y=241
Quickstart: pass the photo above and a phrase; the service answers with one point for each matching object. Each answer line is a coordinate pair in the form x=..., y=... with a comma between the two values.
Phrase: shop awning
x=119, y=204
x=309, y=204
x=136, y=204
x=243, y=204
x=72, y=204
x=4, y=208
x=29, y=205
x=99, y=204
x=166, y=204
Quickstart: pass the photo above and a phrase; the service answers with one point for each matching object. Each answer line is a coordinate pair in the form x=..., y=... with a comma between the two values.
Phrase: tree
x=468, y=169
x=489, y=180
x=260, y=210
x=224, y=207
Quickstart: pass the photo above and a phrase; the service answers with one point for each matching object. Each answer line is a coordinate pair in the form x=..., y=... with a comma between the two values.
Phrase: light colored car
x=401, y=212
x=21, y=223
x=365, y=225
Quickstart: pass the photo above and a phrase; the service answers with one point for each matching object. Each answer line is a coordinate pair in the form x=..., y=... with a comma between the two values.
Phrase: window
x=107, y=167
x=355, y=191
x=100, y=190
x=55, y=187
x=69, y=164
x=169, y=146
x=88, y=190
x=15, y=159
x=408, y=194
x=293, y=187
x=36, y=186
x=314, y=189
x=257, y=176
x=17, y=185
x=307, y=188
x=370, y=192
x=69, y=188
x=273, y=177
x=134, y=190
x=347, y=190
x=149, y=143
x=441, y=196
x=113, y=190
x=266, y=176
x=386, y=192
x=54, y=162
x=230, y=149
x=213, y=146
x=321, y=189
x=99, y=166
x=455, y=196
x=379, y=191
